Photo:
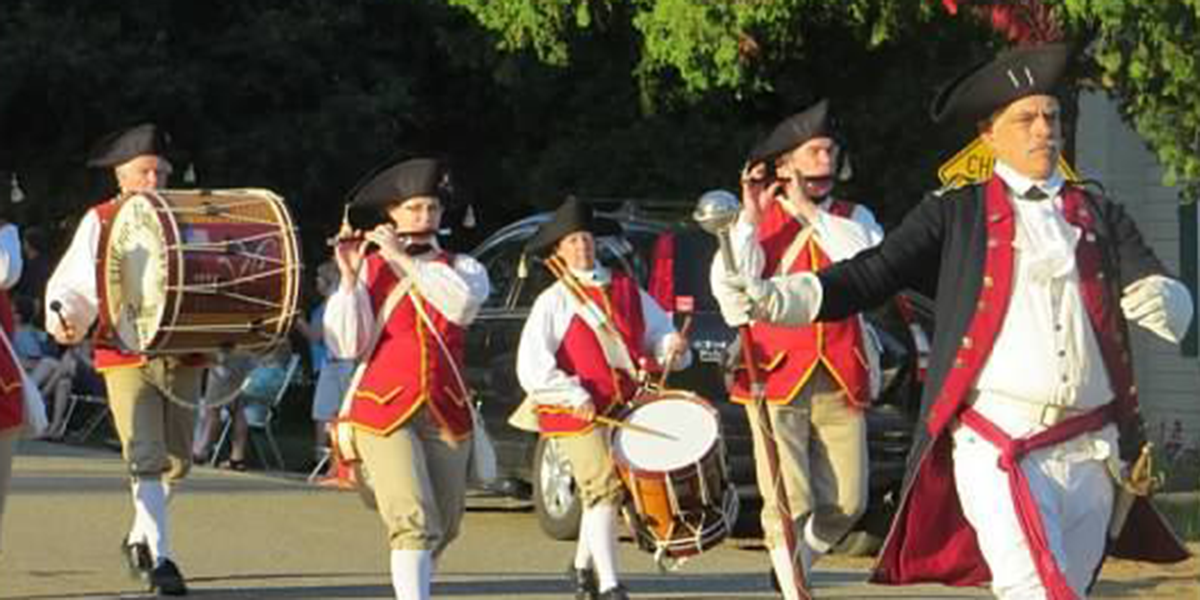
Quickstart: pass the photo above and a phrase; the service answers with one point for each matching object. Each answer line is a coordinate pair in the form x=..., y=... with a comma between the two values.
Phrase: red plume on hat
x=1021, y=21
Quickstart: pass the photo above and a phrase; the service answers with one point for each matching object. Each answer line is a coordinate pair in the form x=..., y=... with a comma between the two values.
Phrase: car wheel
x=554, y=499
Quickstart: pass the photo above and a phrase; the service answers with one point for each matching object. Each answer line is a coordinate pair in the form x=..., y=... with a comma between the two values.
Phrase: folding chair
x=100, y=414
x=260, y=415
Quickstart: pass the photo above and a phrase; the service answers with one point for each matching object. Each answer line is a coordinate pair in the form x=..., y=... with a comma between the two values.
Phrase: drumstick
x=575, y=288
x=683, y=331
x=637, y=428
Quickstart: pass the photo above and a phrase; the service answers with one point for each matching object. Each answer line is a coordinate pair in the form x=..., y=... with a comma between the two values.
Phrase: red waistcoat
x=788, y=355
x=11, y=406
x=408, y=368
x=930, y=539
x=581, y=354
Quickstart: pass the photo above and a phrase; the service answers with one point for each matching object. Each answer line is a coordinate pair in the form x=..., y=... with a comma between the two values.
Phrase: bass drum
x=682, y=498
x=200, y=271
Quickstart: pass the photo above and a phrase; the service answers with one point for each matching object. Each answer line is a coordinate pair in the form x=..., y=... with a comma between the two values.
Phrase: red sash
x=1012, y=452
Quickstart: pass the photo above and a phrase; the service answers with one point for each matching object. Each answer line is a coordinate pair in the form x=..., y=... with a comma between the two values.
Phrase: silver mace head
x=716, y=211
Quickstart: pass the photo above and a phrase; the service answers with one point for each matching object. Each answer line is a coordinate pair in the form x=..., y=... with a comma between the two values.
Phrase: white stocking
x=600, y=526
x=412, y=571
x=150, y=519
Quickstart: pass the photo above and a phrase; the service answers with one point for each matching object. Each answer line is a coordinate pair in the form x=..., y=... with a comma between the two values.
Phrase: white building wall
x=1108, y=150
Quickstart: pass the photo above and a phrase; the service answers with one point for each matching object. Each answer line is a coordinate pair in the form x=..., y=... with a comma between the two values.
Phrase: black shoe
x=166, y=580
x=137, y=558
x=617, y=593
x=585, y=584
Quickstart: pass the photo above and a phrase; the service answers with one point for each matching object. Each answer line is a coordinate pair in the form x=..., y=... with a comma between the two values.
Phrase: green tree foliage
x=301, y=96
x=1147, y=52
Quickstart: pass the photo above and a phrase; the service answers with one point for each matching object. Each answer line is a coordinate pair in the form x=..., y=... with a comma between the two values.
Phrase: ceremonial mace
x=716, y=212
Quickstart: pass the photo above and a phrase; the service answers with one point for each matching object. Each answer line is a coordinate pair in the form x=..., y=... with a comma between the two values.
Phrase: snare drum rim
x=692, y=468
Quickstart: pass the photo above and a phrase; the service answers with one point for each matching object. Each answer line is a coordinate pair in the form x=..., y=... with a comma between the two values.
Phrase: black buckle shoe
x=166, y=580
x=585, y=584
x=137, y=558
x=617, y=593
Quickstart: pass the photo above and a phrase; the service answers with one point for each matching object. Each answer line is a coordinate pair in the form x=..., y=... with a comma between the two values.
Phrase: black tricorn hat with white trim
x=982, y=90
x=812, y=122
x=119, y=147
x=572, y=216
x=396, y=182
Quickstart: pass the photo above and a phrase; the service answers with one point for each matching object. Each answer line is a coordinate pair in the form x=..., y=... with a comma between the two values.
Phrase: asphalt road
x=250, y=535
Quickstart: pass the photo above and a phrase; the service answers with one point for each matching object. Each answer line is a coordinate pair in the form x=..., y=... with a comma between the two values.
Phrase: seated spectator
x=223, y=380
x=77, y=376
x=252, y=379
x=33, y=347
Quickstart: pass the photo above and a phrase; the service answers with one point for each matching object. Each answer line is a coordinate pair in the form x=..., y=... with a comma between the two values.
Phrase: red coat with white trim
x=562, y=362
x=788, y=355
x=958, y=249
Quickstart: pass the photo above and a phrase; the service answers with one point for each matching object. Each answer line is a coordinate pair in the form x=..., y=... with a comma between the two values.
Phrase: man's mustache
x=1046, y=147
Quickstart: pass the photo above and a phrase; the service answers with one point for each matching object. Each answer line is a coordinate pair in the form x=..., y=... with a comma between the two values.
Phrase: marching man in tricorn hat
x=583, y=345
x=156, y=433
x=816, y=380
x=402, y=308
x=1030, y=407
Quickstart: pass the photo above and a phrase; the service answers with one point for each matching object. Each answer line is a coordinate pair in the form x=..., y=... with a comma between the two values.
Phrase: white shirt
x=546, y=326
x=457, y=290
x=1046, y=351
x=838, y=237
x=73, y=283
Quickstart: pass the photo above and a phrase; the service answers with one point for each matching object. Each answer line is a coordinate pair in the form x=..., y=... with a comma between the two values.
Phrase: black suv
x=671, y=260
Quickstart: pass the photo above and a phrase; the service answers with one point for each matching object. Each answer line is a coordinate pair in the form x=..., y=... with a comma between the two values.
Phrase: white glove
x=741, y=298
x=736, y=305
x=1159, y=304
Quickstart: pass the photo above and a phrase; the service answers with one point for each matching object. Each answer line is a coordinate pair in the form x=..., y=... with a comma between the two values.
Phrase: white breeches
x=1075, y=501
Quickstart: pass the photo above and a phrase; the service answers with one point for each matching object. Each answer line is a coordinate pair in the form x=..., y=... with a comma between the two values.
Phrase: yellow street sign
x=974, y=163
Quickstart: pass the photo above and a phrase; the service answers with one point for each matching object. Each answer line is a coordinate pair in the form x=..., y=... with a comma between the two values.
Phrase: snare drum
x=681, y=494
x=200, y=271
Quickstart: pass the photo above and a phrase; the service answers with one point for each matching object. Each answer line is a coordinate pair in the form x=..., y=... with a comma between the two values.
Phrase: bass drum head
x=691, y=422
x=136, y=272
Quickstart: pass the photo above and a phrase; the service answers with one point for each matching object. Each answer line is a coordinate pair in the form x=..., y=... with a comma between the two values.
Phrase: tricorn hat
x=813, y=122
x=572, y=216
x=396, y=182
x=982, y=90
x=122, y=146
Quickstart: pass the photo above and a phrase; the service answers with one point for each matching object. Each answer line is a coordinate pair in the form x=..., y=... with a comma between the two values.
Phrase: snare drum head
x=135, y=271
x=693, y=424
